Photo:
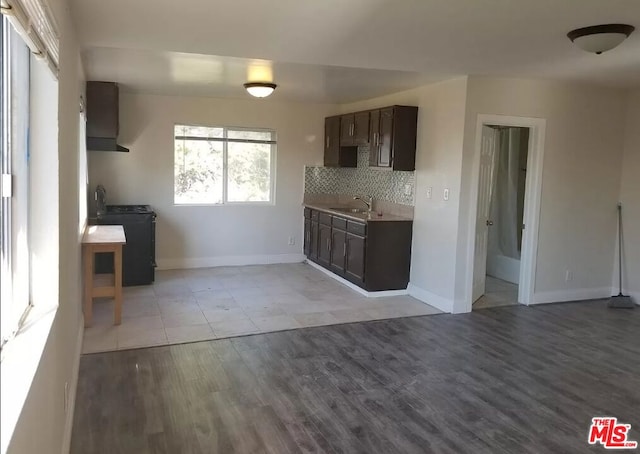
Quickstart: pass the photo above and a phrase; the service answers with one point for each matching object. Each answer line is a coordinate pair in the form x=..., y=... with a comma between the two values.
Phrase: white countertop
x=104, y=234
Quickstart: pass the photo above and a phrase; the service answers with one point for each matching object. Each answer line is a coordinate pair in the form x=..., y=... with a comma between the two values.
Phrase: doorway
x=506, y=185
x=502, y=189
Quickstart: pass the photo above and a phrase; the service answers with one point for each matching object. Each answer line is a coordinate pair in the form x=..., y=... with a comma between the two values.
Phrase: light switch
x=428, y=192
x=446, y=194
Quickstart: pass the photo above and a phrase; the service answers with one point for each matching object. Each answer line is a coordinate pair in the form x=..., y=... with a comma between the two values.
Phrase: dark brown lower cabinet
x=338, y=250
x=375, y=255
x=354, y=260
x=310, y=238
x=307, y=236
x=324, y=245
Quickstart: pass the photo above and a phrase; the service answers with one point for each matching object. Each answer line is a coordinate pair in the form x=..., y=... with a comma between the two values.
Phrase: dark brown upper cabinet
x=102, y=116
x=336, y=155
x=392, y=137
x=354, y=129
x=347, y=127
x=390, y=133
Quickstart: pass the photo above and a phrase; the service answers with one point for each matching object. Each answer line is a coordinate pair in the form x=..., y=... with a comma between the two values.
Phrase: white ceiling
x=186, y=74
x=340, y=51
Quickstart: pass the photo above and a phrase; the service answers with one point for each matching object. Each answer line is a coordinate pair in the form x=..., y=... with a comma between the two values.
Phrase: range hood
x=103, y=117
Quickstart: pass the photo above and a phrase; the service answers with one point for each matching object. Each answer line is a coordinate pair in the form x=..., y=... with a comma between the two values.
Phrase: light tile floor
x=213, y=303
x=497, y=293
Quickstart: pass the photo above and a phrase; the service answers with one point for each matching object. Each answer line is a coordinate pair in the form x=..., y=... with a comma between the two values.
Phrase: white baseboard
x=229, y=260
x=437, y=301
x=354, y=287
x=559, y=296
x=505, y=268
x=73, y=386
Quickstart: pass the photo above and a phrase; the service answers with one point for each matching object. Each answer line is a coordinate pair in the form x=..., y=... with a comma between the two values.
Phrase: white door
x=488, y=155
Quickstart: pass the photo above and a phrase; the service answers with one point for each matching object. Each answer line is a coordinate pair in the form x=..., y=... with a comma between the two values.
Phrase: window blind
x=33, y=20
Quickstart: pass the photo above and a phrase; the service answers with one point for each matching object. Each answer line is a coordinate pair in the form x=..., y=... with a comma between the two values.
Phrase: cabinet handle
x=379, y=139
x=328, y=141
x=344, y=250
x=353, y=129
x=373, y=142
x=329, y=244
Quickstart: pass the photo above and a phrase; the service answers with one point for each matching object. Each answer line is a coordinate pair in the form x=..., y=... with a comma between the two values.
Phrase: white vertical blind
x=35, y=23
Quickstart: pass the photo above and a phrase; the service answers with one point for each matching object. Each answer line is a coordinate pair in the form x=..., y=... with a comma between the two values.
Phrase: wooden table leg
x=88, y=285
x=117, y=264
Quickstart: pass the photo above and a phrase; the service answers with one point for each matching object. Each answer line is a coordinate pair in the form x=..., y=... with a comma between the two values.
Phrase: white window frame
x=16, y=280
x=225, y=142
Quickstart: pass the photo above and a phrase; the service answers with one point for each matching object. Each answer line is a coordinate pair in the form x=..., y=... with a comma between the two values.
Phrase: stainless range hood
x=103, y=117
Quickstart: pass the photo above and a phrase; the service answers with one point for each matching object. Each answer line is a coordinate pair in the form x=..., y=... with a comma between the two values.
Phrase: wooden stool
x=102, y=238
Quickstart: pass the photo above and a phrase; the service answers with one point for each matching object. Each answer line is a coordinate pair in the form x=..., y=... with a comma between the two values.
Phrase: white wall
x=190, y=236
x=581, y=180
x=630, y=198
x=581, y=177
x=43, y=424
x=441, y=118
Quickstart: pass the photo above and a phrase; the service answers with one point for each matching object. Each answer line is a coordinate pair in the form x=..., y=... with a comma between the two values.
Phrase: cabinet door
x=361, y=135
x=385, y=156
x=374, y=137
x=102, y=109
x=338, y=250
x=332, y=141
x=313, y=246
x=324, y=245
x=354, y=260
x=307, y=237
x=347, y=130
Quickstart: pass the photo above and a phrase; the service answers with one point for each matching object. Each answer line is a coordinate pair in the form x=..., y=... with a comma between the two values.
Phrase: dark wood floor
x=503, y=380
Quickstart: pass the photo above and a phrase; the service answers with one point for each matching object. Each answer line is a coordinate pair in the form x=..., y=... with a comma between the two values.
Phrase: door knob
x=489, y=222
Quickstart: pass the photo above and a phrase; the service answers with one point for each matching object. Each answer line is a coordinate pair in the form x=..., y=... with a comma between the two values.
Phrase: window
x=14, y=213
x=217, y=165
x=83, y=173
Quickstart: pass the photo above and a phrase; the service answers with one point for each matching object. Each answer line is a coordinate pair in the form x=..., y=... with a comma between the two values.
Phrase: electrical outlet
x=408, y=189
x=292, y=241
x=446, y=194
x=429, y=191
x=568, y=276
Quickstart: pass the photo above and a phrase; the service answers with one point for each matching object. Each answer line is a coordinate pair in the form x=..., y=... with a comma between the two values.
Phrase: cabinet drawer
x=357, y=228
x=339, y=223
x=314, y=215
x=324, y=218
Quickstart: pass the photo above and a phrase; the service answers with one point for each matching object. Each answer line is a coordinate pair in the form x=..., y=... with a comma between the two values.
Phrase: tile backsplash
x=361, y=180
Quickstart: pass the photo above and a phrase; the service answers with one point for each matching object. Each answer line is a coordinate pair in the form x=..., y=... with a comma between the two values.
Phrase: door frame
x=533, y=196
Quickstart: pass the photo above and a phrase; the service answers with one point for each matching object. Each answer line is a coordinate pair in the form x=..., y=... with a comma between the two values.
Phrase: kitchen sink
x=350, y=210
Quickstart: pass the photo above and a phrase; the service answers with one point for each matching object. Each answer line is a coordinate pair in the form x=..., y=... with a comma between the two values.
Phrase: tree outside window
x=218, y=165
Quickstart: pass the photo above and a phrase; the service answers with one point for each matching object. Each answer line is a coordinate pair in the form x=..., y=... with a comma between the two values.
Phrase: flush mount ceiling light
x=260, y=89
x=600, y=38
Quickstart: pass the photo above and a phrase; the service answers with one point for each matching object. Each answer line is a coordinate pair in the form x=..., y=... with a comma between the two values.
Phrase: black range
x=139, y=254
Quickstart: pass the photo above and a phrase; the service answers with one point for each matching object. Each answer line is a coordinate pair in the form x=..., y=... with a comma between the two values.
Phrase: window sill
x=20, y=359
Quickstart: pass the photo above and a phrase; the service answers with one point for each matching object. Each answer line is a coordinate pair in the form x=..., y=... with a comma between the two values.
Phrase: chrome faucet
x=367, y=200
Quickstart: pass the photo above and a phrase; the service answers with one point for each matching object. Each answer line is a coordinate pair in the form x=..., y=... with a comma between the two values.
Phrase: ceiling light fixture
x=260, y=89
x=600, y=38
